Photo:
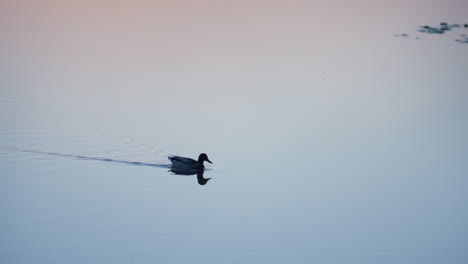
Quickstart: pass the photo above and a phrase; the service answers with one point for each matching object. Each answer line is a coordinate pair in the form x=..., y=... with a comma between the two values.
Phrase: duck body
x=187, y=164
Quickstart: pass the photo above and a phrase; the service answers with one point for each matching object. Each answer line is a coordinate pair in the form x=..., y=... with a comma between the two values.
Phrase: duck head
x=203, y=157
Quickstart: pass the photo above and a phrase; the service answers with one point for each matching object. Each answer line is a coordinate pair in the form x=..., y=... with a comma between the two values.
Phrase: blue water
x=328, y=146
x=298, y=181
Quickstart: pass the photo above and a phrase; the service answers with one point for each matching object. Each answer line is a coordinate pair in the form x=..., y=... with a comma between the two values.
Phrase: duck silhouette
x=188, y=164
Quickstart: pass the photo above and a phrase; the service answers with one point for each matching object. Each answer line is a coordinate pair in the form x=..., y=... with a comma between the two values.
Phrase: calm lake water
x=332, y=141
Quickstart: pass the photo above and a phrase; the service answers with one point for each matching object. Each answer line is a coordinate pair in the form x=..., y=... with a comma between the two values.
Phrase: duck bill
x=209, y=161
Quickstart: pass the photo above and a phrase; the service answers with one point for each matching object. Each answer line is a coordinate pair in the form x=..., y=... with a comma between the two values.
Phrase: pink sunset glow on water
x=336, y=129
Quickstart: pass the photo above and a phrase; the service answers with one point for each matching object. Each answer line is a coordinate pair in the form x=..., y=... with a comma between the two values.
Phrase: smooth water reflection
x=333, y=142
x=201, y=180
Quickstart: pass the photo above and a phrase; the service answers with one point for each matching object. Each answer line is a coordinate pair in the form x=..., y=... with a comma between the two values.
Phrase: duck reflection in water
x=188, y=166
x=201, y=180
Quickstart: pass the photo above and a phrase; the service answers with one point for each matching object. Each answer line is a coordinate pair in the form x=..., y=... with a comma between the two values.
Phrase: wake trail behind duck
x=137, y=163
x=73, y=130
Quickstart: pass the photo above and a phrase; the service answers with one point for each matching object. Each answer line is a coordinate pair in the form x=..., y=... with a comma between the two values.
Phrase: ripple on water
x=40, y=134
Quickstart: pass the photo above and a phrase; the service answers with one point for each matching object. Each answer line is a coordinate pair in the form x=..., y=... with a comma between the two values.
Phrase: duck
x=188, y=164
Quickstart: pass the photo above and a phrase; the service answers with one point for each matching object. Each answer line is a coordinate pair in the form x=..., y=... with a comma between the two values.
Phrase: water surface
x=332, y=140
